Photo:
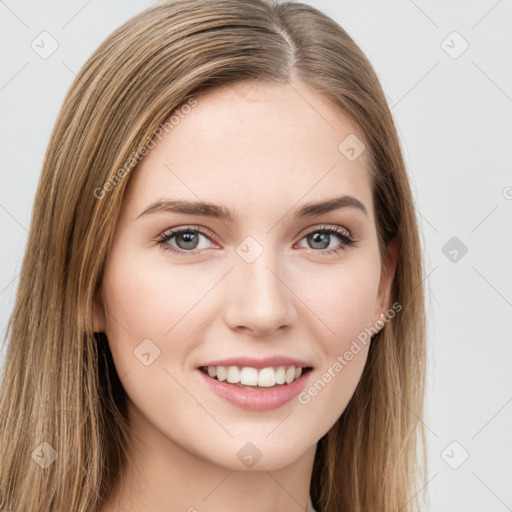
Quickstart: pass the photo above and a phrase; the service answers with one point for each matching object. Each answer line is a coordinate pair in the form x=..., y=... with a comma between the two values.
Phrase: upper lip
x=259, y=363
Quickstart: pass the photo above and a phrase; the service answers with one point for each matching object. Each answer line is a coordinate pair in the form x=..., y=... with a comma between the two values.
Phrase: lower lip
x=256, y=399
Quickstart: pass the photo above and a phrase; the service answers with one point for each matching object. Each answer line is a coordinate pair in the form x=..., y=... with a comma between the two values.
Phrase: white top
x=310, y=505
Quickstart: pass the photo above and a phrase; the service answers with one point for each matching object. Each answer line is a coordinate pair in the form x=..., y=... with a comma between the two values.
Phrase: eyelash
x=331, y=230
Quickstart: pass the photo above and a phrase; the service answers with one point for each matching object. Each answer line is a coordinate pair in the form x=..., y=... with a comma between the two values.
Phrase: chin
x=259, y=455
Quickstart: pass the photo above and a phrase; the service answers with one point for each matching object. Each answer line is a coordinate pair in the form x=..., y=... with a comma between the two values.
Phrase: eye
x=187, y=239
x=320, y=238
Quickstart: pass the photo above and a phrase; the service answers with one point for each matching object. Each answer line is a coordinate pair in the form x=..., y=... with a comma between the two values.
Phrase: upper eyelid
x=172, y=231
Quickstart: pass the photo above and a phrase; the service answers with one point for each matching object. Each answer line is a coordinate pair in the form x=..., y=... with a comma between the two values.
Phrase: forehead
x=252, y=145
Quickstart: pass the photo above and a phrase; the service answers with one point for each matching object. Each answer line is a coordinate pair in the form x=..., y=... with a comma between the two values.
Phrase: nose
x=258, y=300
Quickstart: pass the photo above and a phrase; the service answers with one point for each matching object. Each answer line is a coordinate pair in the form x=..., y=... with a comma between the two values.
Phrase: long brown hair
x=60, y=394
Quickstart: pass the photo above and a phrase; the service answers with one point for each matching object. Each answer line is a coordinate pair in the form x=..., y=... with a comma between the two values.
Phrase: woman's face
x=260, y=286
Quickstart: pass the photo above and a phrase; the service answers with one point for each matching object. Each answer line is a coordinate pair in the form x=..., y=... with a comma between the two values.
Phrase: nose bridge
x=259, y=299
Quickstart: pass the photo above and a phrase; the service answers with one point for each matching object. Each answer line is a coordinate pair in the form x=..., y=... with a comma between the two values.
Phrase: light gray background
x=455, y=123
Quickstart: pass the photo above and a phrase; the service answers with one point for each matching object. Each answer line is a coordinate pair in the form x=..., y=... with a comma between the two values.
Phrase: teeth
x=281, y=375
x=265, y=377
x=233, y=374
x=249, y=376
x=221, y=373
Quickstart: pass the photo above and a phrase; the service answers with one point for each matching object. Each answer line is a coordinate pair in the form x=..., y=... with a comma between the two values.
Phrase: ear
x=386, y=279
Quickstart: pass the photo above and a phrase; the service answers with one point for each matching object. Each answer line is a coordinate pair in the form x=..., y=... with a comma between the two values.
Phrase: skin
x=261, y=151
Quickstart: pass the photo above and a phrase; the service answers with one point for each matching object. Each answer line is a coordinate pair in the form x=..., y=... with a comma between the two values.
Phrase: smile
x=256, y=385
x=254, y=377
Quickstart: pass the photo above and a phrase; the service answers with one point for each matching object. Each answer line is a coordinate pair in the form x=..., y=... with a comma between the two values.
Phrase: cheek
x=133, y=298
x=345, y=305
x=147, y=301
x=343, y=299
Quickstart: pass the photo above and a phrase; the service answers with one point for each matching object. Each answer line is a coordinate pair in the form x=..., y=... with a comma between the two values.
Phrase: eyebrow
x=220, y=212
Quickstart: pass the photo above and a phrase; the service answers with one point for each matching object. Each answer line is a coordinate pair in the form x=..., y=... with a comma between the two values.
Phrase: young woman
x=221, y=303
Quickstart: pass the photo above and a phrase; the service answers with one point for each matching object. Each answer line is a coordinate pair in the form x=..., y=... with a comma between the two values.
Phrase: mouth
x=270, y=377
